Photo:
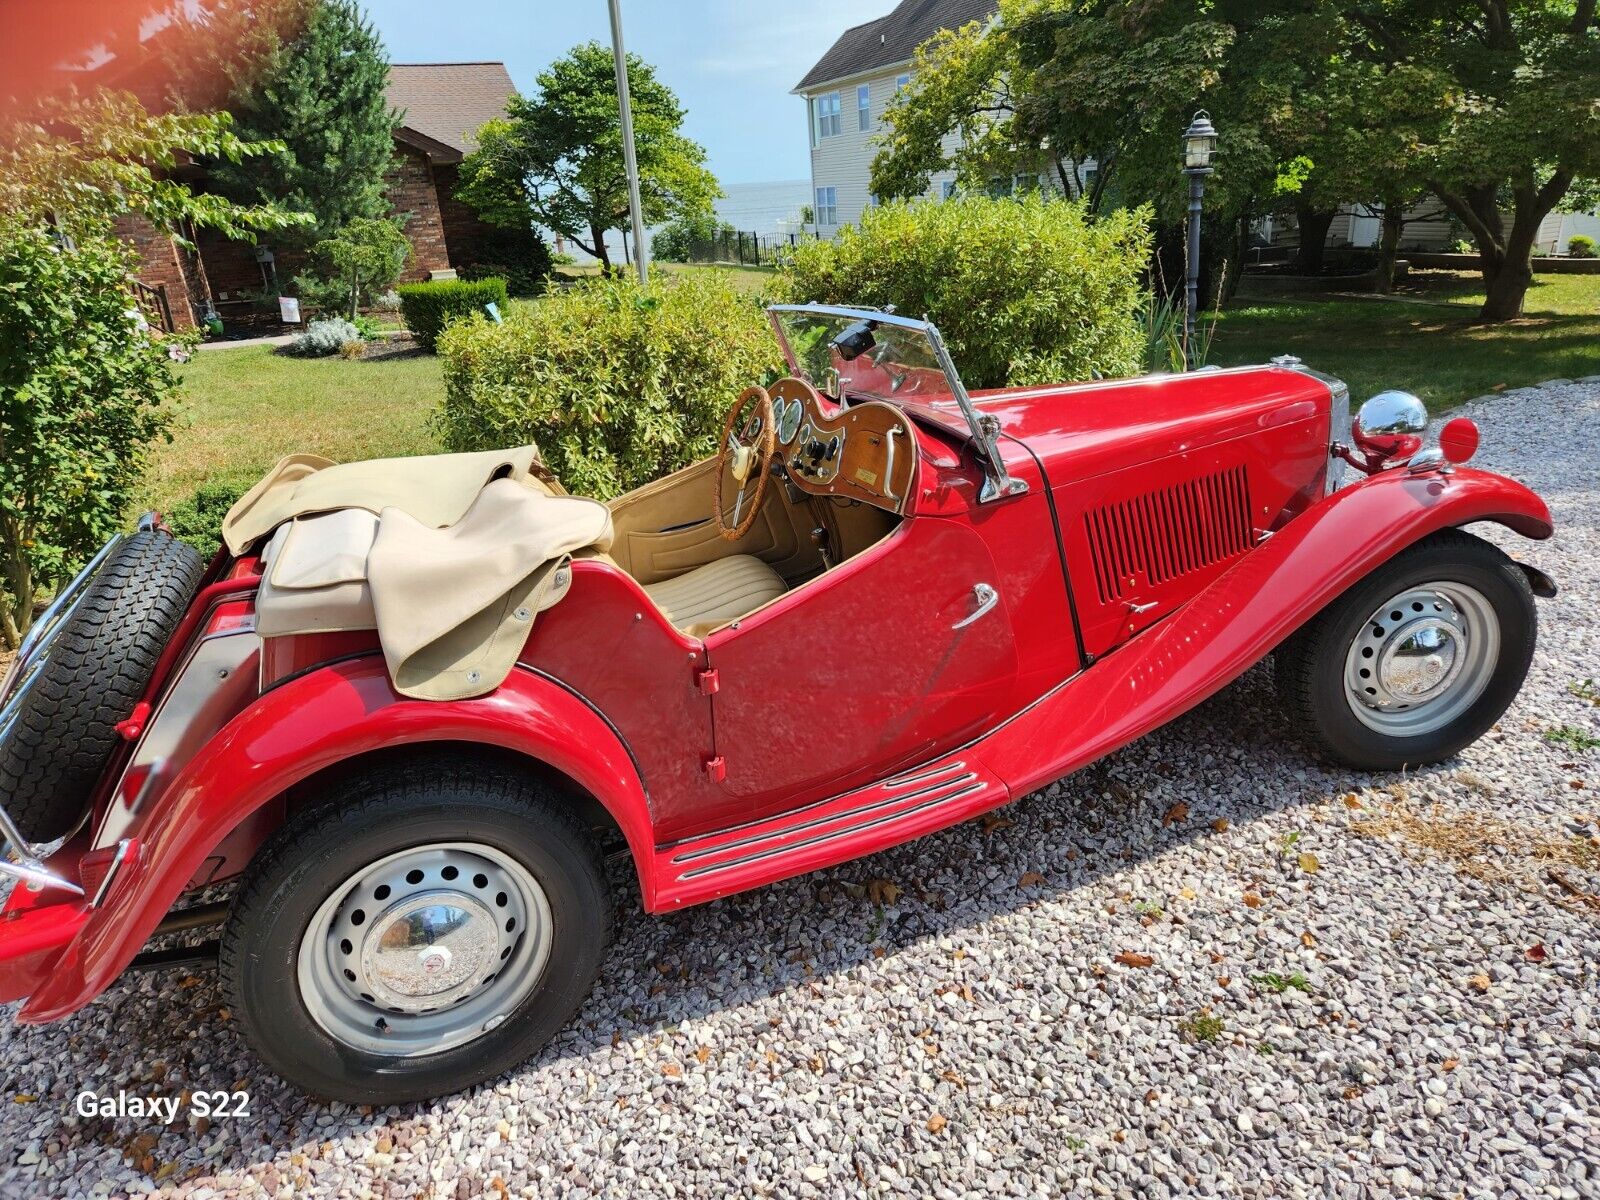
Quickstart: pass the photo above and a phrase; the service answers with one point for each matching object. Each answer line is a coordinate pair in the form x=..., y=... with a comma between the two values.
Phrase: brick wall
x=411, y=190
x=160, y=264
x=465, y=236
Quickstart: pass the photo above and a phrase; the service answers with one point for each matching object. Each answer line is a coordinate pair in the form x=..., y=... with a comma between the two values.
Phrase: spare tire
x=98, y=666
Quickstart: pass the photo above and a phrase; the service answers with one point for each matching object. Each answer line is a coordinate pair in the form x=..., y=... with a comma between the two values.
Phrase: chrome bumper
x=20, y=859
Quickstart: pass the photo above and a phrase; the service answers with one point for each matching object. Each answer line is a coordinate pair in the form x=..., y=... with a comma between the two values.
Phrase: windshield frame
x=983, y=427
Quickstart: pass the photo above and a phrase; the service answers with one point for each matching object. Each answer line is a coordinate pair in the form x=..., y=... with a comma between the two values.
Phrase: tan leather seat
x=708, y=597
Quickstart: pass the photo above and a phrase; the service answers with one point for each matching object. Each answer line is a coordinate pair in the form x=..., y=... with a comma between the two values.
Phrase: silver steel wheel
x=1422, y=659
x=425, y=949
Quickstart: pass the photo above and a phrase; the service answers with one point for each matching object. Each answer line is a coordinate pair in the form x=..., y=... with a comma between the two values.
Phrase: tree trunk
x=1314, y=224
x=1394, y=221
x=1507, y=287
x=599, y=237
x=1505, y=258
x=14, y=621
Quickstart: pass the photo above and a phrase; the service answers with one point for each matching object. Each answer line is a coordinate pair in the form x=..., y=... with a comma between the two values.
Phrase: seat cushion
x=710, y=596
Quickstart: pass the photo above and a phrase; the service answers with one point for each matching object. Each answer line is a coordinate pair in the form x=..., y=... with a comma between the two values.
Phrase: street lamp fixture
x=1199, y=145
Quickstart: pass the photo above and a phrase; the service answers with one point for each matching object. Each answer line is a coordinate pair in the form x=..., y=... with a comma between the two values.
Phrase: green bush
x=198, y=520
x=1580, y=246
x=1024, y=291
x=429, y=307
x=519, y=256
x=617, y=385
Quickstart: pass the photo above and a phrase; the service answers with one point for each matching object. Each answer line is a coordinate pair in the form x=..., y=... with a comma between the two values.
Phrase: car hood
x=1095, y=428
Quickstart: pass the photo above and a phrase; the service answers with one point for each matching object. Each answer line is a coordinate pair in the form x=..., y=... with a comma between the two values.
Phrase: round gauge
x=788, y=418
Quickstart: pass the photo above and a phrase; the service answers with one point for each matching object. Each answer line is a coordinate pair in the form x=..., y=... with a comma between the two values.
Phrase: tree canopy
x=1487, y=104
x=556, y=159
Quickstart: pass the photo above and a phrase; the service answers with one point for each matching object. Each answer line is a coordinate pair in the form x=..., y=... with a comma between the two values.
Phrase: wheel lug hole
x=414, y=877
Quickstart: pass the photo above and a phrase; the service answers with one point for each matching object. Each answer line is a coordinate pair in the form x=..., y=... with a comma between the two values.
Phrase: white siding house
x=847, y=92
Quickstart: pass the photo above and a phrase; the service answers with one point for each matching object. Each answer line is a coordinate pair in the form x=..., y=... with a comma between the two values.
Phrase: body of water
x=762, y=208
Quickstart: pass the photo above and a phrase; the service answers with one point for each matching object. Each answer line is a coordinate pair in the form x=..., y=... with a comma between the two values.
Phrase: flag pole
x=629, y=160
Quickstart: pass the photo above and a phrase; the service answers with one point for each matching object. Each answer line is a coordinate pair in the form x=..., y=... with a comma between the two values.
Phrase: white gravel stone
x=833, y=1033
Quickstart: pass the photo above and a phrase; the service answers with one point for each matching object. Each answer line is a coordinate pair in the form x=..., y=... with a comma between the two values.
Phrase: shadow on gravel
x=1225, y=759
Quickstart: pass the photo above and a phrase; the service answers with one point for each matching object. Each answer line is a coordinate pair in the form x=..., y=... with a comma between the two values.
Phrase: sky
x=731, y=64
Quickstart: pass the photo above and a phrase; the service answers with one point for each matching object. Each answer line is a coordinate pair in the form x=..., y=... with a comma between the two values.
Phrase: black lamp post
x=1199, y=144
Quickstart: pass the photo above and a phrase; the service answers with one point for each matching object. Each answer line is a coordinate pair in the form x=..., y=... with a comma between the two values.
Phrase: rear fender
x=1244, y=613
x=290, y=734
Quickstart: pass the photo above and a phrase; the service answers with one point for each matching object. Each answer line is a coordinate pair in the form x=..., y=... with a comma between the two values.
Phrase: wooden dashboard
x=867, y=452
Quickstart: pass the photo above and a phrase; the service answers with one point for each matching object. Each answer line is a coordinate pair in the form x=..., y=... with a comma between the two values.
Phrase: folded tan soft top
x=436, y=489
x=453, y=605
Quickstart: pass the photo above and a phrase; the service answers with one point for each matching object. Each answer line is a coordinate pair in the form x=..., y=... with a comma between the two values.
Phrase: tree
x=685, y=234
x=556, y=159
x=83, y=384
x=323, y=96
x=1516, y=128
x=367, y=255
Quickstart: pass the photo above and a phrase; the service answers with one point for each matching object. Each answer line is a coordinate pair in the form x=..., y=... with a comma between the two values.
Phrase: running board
x=831, y=831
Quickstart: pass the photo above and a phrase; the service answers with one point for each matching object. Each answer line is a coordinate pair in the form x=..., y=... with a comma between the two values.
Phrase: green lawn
x=1424, y=339
x=243, y=409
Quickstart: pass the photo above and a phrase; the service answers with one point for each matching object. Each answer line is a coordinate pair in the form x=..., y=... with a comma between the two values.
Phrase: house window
x=827, y=206
x=901, y=81
x=863, y=108
x=1013, y=185
x=948, y=190
x=828, y=115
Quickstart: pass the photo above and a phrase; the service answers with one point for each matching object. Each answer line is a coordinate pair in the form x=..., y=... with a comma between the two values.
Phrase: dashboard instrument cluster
x=867, y=452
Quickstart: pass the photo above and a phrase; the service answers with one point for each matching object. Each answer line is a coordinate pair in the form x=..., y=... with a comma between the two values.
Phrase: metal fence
x=733, y=246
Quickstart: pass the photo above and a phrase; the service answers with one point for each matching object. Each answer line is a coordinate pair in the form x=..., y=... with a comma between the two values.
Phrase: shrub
x=687, y=236
x=365, y=256
x=198, y=520
x=429, y=307
x=520, y=257
x=1580, y=246
x=324, y=337
x=84, y=392
x=1024, y=291
x=616, y=384
x=353, y=349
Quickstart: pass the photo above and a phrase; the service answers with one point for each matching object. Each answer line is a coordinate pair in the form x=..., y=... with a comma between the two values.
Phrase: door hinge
x=716, y=769
x=708, y=681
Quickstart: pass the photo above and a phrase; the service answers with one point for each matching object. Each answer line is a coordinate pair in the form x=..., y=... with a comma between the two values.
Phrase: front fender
x=291, y=733
x=1245, y=613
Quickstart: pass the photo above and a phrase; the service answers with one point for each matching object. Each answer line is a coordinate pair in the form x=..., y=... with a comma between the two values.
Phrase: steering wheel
x=749, y=451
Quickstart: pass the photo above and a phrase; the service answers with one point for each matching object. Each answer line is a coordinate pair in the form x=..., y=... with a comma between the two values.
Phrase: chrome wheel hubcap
x=425, y=949
x=1422, y=659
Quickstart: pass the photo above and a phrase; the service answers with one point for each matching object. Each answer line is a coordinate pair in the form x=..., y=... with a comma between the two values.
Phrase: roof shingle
x=449, y=101
x=891, y=39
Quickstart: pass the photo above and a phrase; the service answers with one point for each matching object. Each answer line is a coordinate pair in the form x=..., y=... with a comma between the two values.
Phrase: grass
x=1572, y=737
x=241, y=410
x=1424, y=339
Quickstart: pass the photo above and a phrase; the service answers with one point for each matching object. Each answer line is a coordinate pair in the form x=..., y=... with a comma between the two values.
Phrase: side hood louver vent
x=1147, y=539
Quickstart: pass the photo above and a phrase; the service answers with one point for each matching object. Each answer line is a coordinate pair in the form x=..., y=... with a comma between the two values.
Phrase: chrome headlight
x=1390, y=426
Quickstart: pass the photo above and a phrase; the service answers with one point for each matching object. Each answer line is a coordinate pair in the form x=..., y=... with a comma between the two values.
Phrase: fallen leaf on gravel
x=1309, y=864
x=994, y=822
x=702, y=1054
x=1307, y=940
x=1132, y=958
x=882, y=891
x=1576, y=785
x=1220, y=824
x=1224, y=980
x=936, y=1123
x=1151, y=1096
x=1032, y=879
x=1178, y=812
x=1479, y=983
x=1450, y=1064
x=1187, y=894
x=1351, y=800
x=23, y=1098
x=672, y=1071
x=1536, y=952
x=1251, y=900
x=952, y=1078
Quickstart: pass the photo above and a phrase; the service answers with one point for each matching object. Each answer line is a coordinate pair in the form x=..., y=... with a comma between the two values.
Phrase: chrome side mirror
x=1389, y=414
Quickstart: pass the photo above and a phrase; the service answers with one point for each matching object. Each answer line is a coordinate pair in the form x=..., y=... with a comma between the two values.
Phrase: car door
x=896, y=655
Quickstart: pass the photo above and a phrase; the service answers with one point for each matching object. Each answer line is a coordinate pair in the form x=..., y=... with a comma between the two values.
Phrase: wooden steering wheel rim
x=766, y=448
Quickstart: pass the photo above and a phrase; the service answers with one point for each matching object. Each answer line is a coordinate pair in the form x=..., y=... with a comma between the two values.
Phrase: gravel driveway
x=1205, y=966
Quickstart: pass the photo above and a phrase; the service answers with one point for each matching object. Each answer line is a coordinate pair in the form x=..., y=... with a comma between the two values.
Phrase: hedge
x=1024, y=291
x=617, y=385
x=429, y=307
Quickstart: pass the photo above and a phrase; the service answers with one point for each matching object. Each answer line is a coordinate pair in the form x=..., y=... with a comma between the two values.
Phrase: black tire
x=1310, y=666
x=363, y=820
x=99, y=666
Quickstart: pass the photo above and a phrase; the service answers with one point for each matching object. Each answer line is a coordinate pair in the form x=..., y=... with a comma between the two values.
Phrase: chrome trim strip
x=900, y=781
x=692, y=855
x=118, y=861
x=838, y=833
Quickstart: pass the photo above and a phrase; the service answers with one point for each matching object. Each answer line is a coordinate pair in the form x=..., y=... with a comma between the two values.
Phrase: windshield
x=863, y=354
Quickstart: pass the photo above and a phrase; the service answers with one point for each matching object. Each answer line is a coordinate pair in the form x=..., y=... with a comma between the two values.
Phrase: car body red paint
x=1173, y=530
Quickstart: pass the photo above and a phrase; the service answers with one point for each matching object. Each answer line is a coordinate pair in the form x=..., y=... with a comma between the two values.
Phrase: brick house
x=442, y=105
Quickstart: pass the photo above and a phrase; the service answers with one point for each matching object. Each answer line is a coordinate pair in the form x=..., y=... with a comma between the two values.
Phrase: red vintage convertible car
x=886, y=606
